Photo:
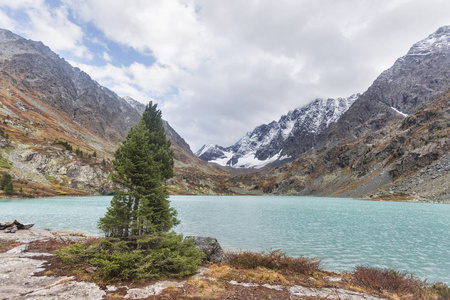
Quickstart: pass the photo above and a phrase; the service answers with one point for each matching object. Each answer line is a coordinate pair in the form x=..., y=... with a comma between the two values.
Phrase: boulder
x=210, y=246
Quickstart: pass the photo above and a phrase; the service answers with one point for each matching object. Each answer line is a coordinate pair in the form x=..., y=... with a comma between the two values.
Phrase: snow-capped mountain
x=293, y=134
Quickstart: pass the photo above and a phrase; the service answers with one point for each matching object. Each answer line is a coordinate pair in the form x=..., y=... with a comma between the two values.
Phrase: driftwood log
x=12, y=227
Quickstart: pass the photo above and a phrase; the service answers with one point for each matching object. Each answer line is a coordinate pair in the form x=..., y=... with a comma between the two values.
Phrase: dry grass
x=275, y=260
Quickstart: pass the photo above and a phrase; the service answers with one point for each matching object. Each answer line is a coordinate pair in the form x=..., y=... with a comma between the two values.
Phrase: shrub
x=65, y=144
x=275, y=260
x=161, y=255
x=441, y=290
x=387, y=280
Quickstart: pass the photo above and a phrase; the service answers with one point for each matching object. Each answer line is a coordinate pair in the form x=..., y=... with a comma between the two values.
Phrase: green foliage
x=142, y=164
x=159, y=144
x=94, y=154
x=2, y=133
x=5, y=163
x=79, y=152
x=440, y=289
x=275, y=260
x=65, y=144
x=162, y=255
x=6, y=184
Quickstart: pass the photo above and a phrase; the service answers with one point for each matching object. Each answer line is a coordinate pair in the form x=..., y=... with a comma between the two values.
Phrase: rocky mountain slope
x=416, y=79
x=280, y=141
x=59, y=128
x=407, y=160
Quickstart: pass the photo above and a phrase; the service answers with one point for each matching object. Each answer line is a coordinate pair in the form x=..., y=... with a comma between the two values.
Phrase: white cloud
x=6, y=21
x=106, y=57
x=51, y=25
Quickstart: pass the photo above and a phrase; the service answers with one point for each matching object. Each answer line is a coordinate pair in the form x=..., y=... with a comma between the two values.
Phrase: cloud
x=51, y=25
x=107, y=57
x=220, y=68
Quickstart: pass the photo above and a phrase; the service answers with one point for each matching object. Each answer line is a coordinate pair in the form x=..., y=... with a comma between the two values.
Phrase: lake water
x=342, y=232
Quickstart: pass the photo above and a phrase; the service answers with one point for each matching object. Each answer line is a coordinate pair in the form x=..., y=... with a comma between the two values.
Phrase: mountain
x=280, y=141
x=392, y=143
x=406, y=160
x=416, y=79
x=41, y=78
x=59, y=128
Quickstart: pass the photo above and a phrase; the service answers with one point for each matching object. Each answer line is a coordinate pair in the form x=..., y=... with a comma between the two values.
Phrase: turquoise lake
x=413, y=237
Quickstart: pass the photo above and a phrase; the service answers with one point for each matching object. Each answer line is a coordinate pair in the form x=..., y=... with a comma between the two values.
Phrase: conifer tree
x=6, y=184
x=143, y=163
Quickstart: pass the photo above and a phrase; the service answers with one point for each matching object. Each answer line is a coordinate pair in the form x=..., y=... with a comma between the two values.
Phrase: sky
x=218, y=69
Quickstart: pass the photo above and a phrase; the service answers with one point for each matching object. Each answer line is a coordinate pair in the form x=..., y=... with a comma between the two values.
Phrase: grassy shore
x=246, y=275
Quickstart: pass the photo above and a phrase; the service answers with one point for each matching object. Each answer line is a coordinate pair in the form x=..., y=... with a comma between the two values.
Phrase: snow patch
x=399, y=112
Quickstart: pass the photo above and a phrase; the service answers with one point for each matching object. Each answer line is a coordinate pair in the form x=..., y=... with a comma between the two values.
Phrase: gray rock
x=11, y=229
x=210, y=246
x=154, y=289
x=27, y=226
x=329, y=293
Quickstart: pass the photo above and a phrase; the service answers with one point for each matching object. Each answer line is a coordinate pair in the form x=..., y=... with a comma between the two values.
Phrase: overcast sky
x=217, y=69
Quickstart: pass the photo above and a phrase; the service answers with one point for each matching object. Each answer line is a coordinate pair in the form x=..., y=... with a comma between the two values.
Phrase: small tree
x=143, y=163
x=140, y=215
x=6, y=184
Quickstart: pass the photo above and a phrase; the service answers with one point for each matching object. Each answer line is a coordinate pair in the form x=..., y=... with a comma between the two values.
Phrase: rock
x=91, y=270
x=154, y=289
x=27, y=226
x=11, y=229
x=210, y=246
x=18, y=250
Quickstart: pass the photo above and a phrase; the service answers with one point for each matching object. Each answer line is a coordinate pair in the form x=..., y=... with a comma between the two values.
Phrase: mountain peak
x=437, y=42
x=8, y=36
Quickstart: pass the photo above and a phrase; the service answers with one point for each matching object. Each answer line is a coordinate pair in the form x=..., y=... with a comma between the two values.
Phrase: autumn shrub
x=440, y=290
x=387, y=280
x=275, y=260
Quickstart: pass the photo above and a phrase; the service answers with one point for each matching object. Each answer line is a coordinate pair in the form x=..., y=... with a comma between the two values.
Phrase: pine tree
x=6, y=184
x=142, y=164
x=6, y=179
x=158, y=142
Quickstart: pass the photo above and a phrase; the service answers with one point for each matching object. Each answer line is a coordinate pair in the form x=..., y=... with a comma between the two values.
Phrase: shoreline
x=384, y=199
x=32, y=270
